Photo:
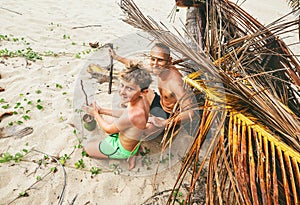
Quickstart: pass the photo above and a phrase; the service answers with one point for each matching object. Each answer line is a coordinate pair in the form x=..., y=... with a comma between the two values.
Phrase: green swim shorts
x=111, y=147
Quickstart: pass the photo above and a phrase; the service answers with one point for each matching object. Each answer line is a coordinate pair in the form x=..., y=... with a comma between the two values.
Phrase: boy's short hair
x=135, y=73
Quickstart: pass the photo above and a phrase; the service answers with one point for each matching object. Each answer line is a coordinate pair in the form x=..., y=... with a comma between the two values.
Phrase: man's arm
x=121, y=59
x=184, y=99
x=127, y=62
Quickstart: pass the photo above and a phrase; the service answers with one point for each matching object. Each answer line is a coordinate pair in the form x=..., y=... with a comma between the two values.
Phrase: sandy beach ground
x=46, y=95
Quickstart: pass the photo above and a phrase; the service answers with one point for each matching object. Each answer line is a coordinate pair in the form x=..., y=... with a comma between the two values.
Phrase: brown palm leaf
x=255, y=149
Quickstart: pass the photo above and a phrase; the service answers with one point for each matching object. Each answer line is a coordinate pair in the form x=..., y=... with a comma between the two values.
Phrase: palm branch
x=255, y=149
x=295, y=5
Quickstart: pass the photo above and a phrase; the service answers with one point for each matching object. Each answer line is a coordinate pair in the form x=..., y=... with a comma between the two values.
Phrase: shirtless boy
x=127, y=129
x=170, y=86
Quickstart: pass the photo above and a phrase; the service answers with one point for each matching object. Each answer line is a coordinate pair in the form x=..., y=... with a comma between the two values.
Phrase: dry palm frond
x=261, y=79
x=295, y=5
x=240, y=162
x=259, y=168
x=210, y=114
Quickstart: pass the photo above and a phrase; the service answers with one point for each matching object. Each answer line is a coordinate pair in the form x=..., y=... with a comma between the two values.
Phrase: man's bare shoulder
x=174, y=77
x=175, y=72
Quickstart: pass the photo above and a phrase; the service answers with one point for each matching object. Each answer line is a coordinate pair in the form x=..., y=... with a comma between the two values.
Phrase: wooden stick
x=10, y=10
x=75, y=27
x=86, y=99
x=110, y=70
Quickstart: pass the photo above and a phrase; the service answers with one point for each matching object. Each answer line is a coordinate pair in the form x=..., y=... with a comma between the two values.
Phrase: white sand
x=43, y=24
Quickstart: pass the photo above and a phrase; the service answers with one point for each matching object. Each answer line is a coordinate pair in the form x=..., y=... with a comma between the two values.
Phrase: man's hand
x=157, y=121
x=113, y=54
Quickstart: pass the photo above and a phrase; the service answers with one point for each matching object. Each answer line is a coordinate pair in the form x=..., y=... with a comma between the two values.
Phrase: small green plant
x=4, y=37
x=52, y=26
x=23, y=194
x=178, y=197
x=7, y=157
x=26, y=117
x=66, y=36
x=31, y=55
x=50, y=53
x=79, y=164
x=146, y=161
x=115, y=168
x=5, y=106
x=63, y=159
x=84, y=154
x=58, y=85
x=77, y=55
x=79, y=145
x=19, y=122
x=62, y=118
x=53, y=169
x=95, y=170
x=167, y=158
x=18, y=104
x=21, y=109
x=39, y=106
x=26, y=52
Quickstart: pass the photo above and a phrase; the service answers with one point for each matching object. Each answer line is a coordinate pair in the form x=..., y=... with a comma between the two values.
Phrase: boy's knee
x=91, y=147
x=86, y=149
